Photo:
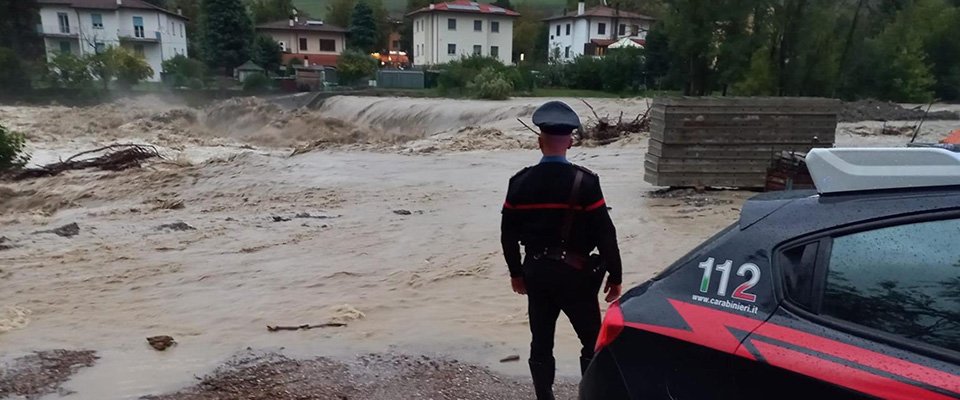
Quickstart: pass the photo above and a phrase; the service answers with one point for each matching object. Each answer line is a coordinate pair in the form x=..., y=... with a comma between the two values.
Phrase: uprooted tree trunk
x=115, y=157
x=604, y=132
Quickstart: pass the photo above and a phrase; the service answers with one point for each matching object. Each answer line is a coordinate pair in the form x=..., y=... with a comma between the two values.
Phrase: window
x=568, y=29
x=328, y=45
x=64, y=22
x=601, y=28
x=495, y=26
x=797, y=265
x=623, y=29
x=138, y=49
x=97, y=21
x=902, y=280
x=558, y=29
x=303, y=44
x=181, y=30
x=451, y=49
x=138, y=27
x=396, y=45
x=566, y=52
x=452, y=24
x=64, y=46
x=478, y=25
x=173, y=28
x=635, y=30
x=494, y=51
x=100, y=47
x=477, y=49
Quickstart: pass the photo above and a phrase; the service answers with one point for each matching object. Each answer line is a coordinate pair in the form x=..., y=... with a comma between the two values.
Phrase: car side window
x=797, y=264
x=903, y=280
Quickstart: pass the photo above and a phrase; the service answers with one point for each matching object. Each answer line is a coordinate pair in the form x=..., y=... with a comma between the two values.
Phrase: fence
x=397, y=79
x=731, y=142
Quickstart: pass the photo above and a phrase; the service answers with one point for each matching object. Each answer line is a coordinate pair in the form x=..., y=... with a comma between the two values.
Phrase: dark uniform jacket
x=538, y=200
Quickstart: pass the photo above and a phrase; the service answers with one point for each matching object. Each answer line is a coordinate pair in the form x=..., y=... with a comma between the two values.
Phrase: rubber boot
x=543, y=374
x=584, y=363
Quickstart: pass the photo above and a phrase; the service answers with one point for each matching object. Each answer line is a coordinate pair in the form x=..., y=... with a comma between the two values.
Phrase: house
x=590, y=31
x=310, y=42
x=446, y=32
x=248, y=68
x=85, y=27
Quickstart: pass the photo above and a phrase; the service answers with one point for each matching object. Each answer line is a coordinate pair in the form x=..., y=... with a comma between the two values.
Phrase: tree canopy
x=227, y=33
x=364, y=30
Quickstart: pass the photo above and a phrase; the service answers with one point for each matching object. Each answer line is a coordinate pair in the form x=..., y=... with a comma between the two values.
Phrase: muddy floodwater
x=386, y=220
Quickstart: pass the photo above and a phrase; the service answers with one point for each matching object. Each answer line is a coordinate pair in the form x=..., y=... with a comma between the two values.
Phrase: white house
x=589, y=31
x=86, y=26
x=446, y=32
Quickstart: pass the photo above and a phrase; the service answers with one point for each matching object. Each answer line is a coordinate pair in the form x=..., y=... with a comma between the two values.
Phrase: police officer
x=557, y=211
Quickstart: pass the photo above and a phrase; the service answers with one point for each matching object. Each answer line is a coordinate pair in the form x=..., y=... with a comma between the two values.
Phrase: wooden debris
x=512, y=358
x=305, y=327
x=161, y=343
x=115, y=157
x=603, y=132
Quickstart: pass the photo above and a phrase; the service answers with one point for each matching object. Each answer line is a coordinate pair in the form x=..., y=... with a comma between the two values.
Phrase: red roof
x=601, y=11
x=109, y=5
x=466, y=6
x=326, y=60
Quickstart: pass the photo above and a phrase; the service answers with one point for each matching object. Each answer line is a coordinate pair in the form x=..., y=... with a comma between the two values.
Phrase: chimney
x=431, y=6
x=180, y=11
x=581, y=8
x=296, y=18
x=119, y=2
x=291, y=23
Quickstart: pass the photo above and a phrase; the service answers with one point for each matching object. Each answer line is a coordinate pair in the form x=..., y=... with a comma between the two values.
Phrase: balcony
x=134, y=35
x=57, y=31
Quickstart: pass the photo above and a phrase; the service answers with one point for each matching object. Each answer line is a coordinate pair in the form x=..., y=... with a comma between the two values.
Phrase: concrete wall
x=291, y=40
x=432, y=37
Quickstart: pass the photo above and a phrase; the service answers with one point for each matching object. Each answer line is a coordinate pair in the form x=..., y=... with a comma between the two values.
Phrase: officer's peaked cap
x=556, y=118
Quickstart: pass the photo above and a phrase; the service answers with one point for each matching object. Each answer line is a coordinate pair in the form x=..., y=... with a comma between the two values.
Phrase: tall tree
x=270, y=10
x=18, y=27
x=364, y=30
x=266, y=53
x=227, y=32
x=339, y=11
x=503, y=4
x=158, y=3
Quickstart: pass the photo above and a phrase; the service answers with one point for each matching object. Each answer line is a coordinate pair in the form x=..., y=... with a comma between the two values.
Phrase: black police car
x=851, y=291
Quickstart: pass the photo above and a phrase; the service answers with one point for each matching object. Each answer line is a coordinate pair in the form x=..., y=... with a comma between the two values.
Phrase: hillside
x=318, y=8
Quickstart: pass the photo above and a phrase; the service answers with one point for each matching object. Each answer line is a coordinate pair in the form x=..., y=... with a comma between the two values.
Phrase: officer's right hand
x=518, y=286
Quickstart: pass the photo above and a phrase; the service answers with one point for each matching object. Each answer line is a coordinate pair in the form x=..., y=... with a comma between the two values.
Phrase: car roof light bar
x=862, y=169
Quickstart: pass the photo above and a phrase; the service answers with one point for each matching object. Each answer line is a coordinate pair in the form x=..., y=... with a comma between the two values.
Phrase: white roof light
x=852, y=169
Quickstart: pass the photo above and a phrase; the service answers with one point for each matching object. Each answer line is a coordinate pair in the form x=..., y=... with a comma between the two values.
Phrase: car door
x=872, y=309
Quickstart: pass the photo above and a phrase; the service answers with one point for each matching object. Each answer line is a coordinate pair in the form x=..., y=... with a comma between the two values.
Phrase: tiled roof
x=302, y=25
x=466, y=6
x=603, y=12
x=108, y=5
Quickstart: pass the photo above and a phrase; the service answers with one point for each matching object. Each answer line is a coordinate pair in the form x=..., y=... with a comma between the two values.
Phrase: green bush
x=11, y=150
x=584, y=73
x=66, y=70
x=255, y=82
x=354, y=65
x=455, y=75
x=622, y=69
x=13, y=75
x=490, y=84
x=183, y=71
x=131, y=68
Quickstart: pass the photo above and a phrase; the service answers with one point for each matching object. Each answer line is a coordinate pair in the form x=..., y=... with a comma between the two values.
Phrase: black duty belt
x=571, y=258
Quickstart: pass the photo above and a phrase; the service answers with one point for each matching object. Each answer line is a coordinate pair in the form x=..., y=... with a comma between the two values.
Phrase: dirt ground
x=381, y=214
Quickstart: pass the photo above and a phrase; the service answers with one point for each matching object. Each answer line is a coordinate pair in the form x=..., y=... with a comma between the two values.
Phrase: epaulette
x=584, y=169
x=520, y=172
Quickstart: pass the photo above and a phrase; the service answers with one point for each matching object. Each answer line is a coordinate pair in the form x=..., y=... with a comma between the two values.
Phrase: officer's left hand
x=518, y=286
x=612, y=291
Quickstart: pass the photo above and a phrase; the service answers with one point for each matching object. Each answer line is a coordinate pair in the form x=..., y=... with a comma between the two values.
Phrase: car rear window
x=903, y=280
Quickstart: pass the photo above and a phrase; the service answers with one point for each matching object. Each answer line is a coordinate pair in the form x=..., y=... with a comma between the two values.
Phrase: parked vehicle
x=850, y=291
